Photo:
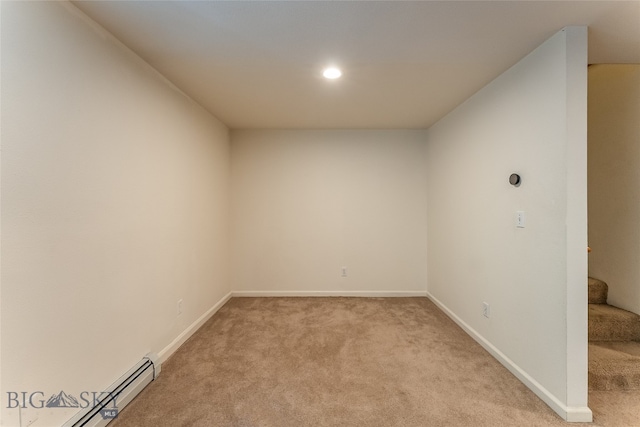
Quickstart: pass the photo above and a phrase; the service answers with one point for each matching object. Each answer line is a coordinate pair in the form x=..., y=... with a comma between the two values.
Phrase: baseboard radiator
x=109, y=402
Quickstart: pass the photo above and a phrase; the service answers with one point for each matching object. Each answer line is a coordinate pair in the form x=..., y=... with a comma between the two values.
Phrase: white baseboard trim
x=362, y=294
x=568, y=413
x=579, y=414
x=166, y=352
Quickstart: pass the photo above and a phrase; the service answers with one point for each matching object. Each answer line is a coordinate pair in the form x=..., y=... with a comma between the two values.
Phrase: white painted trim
x=166, y=352
x=580, y=414
x=577, y=264
x=571, y=414
x=362, y=294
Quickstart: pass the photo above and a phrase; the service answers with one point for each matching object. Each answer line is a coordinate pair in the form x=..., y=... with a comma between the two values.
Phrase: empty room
x=309, y=213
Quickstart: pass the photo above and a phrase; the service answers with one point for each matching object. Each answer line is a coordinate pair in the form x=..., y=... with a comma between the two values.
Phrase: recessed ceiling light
x=332, y=73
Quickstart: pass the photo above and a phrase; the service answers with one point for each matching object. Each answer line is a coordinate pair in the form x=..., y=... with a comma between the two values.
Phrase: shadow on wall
x=613, y=176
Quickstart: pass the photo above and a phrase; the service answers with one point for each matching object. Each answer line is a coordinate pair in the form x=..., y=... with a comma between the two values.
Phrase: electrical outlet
x=486, y=309
x=344, y=271
x=179, y=307
x=520, y=219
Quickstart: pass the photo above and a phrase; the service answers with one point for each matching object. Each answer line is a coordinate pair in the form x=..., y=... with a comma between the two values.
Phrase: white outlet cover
x=486, y=310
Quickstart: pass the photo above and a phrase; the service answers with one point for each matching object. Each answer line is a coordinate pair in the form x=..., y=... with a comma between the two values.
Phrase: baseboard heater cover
x=119, y=394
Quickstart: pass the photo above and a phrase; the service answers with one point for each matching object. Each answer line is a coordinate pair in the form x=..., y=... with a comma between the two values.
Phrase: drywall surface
x=614, y=180
x=532, y=121
x=308, y=203
x=114, y=207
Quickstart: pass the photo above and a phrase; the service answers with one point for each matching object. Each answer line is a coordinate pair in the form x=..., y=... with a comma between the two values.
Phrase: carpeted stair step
x=598, y=291
x=608, y=323
x=614, y=366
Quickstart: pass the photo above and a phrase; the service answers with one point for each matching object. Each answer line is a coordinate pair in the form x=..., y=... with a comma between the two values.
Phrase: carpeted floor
x=344, y=362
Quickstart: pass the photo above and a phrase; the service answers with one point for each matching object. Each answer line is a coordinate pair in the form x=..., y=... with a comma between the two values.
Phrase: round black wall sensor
x=514, y=179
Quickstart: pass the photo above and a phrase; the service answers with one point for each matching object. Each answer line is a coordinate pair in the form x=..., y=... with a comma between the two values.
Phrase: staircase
x=614, y=343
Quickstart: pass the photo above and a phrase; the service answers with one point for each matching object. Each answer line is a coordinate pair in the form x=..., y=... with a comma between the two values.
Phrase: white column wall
x=531, y=120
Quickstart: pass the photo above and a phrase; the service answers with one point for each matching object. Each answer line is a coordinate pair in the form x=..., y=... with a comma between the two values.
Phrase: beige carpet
x=598, y=291
x=614, y=366
x=608, y=323
x=343, y=362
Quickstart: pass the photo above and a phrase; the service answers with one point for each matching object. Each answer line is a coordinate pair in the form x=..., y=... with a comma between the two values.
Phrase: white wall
x=114, y=206
x=115, y=196
x=614, y=180
x=531, y=120
x=306, y=203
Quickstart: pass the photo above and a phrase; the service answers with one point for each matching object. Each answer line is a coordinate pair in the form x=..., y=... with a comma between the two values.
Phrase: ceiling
x=258, y=64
